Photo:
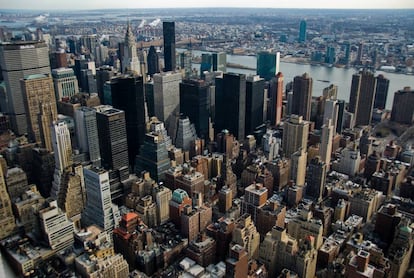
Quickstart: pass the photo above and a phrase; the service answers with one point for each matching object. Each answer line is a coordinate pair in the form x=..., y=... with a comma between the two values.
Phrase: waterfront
x=339, y=76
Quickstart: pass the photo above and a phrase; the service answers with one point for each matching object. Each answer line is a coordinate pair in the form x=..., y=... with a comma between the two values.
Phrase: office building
x=6, y=214
x=62, y=148
x=231, y=89
x=195, y=103
x=271, y=214
x=153, y=61
x=361, y=99
x=237, y=262
x=254, y=103
x=99, y=209
x=147, y=211
x=246, y=235
x=65, y=83
x=295, y=135
x=177, y=204
x=162, y=196
x=128, y=95
x=56, y=228
x=302, y=96
x=167, y=99
x=37, y=92
x=275, y=98
x=401, y=250
x=87, y=134
x=402, y=108
x=103, y=74
x=302, y=31
x=325, y=149
x=130, y=62
x=186, y=134
x=315, y=178
x=220, y=61
x=298, y=167
x=168, y=30
x=381, y=92
x=331, y=111
x=306, y=225
x=255, y=197
x=267, y=64
x=330, y=56
x=18, y=60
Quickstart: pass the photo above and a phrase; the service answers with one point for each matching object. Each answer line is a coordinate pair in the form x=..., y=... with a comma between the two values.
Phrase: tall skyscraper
x=153, y=61
x=315, y=178
x=331, y=111
x=186, y=134
x=275, y=96
x=402, y=108
x=62, y=148
x=231, y=89
x=103, y=74
x=65, y=82
x=128, y=95
x=325, y=149
x=302, y=96
x=38, y=91
x=87, y=133
x=130, y=61
x=254, y=103
x=99, y=209
x=195, y=103
x=168, y=29
x=220, y=61
x=295, y=135
x=267, y=64
x=18, y=60
x=6, y=214
x=206, y=63
x=186, y=62
x=167, y=99
x=361, y=99
x=302, y=31
x=381, y=92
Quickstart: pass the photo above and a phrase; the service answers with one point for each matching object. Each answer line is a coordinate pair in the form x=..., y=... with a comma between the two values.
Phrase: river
x=341, y=77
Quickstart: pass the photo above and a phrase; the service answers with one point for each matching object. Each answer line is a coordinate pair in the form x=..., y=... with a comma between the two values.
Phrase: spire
x=129, y=35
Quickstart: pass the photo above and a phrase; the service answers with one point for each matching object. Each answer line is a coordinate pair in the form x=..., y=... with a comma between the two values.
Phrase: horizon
x=51, y=5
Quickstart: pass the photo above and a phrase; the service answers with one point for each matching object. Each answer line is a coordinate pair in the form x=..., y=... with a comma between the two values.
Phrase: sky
x=110, y=4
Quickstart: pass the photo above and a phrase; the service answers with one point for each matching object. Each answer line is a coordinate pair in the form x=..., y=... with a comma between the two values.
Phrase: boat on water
x=320, y=80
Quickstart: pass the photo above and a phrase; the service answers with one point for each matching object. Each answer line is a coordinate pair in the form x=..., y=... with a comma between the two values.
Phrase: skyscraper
x=153, y=61
x=295, y=135
x=168, y=29
x=130, y=62
x=302, y=96
x=128, y=95
x=65, y=82
x=381, y=92
x=302, y=31
x=275, y=95
x=186, y=134
x=99, y=209
x=195, y=103
x=6, y=213
x=402, y=108
x=167, y=99
x=38, y=91
x=220, y=61
x=103, y=74
x=361, y=99
x=315, y=178
x=231, y=89
x=254, y=103
x=325, y=150
x=18, y=60
x=87, y=133
x=267, y=64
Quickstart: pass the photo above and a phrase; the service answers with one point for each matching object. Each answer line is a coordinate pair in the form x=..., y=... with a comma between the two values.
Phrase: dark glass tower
x=153, y=61
x=361, y=99
x=315, y=178
x=302, y=96
x=168, y=29
x=266, y=65
x=381, y=92
x=231, y=104
x=195, y=103
x=103, y=74
x=128, y=95
x=302, y=31
x=254, y=103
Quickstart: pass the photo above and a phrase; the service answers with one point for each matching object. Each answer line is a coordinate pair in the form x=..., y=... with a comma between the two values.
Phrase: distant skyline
x=111, y=4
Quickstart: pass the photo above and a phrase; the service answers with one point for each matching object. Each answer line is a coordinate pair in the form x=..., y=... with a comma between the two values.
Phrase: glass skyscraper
x=169, y=45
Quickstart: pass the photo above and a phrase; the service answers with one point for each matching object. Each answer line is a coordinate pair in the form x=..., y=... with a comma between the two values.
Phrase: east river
x=341, y=77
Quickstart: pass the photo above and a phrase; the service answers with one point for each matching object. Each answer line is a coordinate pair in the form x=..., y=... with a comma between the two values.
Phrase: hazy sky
x=103, y=4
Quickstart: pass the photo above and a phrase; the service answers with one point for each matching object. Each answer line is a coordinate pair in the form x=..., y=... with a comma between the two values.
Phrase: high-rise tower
x=302, y=31
x=295, y=135
x=168, y=29
x=130, y=61
x=381, y=92
x=18, y=60
x=128, y=95
x=302, y=96
x=231, y=89
x=65, y=82
x=254, y=103
x=267, y=64
x=37, y=91
x=153, y=61
x=275, y=95
x=361, y=99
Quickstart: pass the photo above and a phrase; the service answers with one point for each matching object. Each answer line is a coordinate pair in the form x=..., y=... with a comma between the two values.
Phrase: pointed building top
x=129, y=35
